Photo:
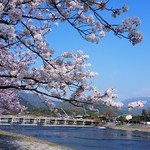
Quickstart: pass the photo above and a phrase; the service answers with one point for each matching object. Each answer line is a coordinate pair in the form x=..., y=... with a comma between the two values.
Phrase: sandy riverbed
x=12, y=141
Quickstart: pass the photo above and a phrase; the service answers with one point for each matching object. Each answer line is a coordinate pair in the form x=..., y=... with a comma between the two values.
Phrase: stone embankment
x=129, y=127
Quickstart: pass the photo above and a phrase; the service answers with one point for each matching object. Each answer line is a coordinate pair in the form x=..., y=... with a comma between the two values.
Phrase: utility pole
x=65, y=113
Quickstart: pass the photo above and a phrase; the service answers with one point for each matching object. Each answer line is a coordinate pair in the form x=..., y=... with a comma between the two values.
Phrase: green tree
x=144, y=115
x=122, y=119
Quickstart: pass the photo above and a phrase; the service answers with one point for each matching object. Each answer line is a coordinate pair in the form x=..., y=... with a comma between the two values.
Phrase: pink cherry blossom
x=28, y=63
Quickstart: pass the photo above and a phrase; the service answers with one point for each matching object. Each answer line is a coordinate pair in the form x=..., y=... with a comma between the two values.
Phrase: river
x=91, y=138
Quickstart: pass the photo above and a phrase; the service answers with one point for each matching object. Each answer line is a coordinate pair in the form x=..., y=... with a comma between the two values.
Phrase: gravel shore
x=12, y=141
x=129, y=127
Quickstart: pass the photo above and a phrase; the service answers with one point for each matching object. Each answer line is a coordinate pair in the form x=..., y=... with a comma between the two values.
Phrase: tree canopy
x=24, y=28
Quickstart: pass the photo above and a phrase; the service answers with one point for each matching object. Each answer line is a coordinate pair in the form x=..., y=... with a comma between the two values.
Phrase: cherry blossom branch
x=24, y=27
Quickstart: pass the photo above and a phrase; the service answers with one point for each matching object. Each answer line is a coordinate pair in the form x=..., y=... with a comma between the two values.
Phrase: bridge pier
x=21, y=120
x=10, y=120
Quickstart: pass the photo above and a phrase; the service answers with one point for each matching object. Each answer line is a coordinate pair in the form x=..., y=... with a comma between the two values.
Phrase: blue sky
x=120, y=65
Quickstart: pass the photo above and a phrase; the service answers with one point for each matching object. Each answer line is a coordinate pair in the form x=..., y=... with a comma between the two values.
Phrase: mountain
x=67, y=106
x=24, y=102
x=31, y=100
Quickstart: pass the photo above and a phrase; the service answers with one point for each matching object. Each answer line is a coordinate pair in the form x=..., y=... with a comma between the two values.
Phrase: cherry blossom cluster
x=139, y=103
x=15, y=14
x=9, y=102
x=110, y=100
x=28, y=63
x=84, y=16
x=50, y=104
x=7, y=32
x=130, y=25
x=55, y=78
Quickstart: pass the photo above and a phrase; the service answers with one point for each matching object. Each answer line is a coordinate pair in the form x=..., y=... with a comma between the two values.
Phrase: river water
x=91, y=138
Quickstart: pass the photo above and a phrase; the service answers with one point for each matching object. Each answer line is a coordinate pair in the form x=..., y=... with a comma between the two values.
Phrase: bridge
x=45, y=121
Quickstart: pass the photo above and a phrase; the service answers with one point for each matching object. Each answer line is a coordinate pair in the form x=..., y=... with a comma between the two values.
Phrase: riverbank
x=12, y=141
x=129, y=127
